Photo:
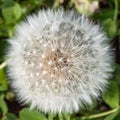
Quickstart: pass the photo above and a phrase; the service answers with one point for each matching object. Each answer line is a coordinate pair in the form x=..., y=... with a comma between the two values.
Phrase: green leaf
x=51, y=116
x=17, y=11
x=104, y=14
x=64, y=116
x=77, y=118
x=110, y=27
x=3, y=43
x=92, y=106
x=3, y=105
x=3, y=82
x=117, y=73
x=60, y=116
x=111, y=96
x=8, y=3
x=112, y=116
x=27, y=114
x=11, y=116
x=67, y=116
x=117, y=117
x=11, y=13
x=8, y=15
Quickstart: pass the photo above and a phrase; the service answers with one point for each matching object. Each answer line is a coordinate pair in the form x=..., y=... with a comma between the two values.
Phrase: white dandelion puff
x=65, y=58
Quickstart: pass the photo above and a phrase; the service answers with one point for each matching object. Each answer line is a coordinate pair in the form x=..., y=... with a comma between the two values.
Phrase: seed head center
x=55, y=62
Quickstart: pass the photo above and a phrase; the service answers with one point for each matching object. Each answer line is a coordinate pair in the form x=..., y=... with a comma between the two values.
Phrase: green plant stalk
x=60, y=116
x=116, y=10
x=3, y=65
x=101, y=114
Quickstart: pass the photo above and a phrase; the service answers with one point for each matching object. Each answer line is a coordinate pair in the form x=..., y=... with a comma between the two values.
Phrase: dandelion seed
x=44, y=72
x=37, y=74
x=53, y=49
x=49, y=62
x=45, y=45
x=32, y=64
x=40, y=64
x=60, y=60
x=70, y=57
x=36, y=84
x=34, y=52
x=26, y=62
x=31, y=75
x=43, y=56
x=55, y=68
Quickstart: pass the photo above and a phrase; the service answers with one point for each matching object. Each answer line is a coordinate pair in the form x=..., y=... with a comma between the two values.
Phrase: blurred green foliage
x=106, y=12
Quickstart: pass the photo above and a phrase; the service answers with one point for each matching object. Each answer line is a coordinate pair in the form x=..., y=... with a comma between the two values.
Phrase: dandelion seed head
x=65, y=58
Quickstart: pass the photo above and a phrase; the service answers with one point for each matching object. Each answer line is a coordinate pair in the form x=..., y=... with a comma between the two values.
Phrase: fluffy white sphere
x=59, y=61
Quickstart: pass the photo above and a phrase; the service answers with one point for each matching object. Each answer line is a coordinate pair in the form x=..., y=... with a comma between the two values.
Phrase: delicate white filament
x=59, y=61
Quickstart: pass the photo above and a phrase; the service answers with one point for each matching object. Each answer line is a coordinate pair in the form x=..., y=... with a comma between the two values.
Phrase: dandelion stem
x=101, y=114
